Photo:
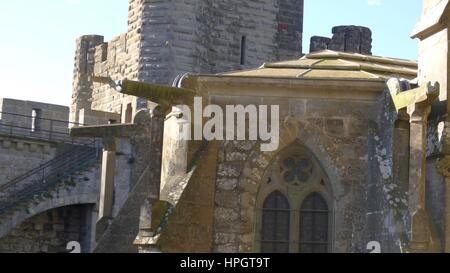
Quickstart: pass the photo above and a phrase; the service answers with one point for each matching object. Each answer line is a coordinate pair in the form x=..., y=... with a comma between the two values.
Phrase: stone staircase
x=47, y=181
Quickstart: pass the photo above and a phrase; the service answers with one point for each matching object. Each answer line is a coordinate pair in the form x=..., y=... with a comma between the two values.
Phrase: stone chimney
x=319, y=43
x=354, y=39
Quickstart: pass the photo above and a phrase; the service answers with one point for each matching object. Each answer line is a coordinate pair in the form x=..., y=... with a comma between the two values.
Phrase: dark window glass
x=243, y=49
x=314, y=228
x=276, y=221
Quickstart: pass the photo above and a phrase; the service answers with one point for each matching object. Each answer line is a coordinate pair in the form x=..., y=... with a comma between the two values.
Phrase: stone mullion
x=295, y=230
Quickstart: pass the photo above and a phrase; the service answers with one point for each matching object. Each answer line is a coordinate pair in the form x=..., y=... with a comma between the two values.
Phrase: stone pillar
x=417, y=103
x=145, y=240
x=420, y=230
x=107, y=182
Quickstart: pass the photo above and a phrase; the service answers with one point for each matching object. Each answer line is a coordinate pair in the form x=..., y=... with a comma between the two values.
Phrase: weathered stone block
x=227, y=199
x=227, y=184
x=230, y=170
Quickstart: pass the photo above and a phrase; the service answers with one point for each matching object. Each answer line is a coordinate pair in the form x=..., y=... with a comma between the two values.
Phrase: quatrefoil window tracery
x=296, y=169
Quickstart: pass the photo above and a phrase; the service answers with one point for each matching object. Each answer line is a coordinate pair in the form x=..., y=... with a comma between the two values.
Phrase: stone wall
x=353, y=39
x=290, y=28
x=387, y=216
x=18, y=156
x=168, y=38
x=337, y=133
x=18, y=153
x=437, y=185
x=82, y=78
x=18, y=113
x=388, y=213
x=49, y=232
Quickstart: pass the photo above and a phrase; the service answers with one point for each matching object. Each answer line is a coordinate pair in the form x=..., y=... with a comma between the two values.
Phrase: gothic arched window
x=275, y=226
x=314, y=229
x=294, y=205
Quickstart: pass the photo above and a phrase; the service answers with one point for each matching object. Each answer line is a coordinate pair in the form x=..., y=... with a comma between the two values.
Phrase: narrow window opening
x=243, y=49
x=129, y=114
x=36, y=116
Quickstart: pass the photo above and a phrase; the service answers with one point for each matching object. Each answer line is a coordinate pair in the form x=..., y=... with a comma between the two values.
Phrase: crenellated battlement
x=26, y=146
x=353, y=39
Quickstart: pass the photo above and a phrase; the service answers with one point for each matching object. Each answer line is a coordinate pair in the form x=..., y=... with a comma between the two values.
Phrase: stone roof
x=329, y=64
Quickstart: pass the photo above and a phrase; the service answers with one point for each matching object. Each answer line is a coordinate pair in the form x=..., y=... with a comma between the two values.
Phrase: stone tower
x=167, y=38
x=354, y=39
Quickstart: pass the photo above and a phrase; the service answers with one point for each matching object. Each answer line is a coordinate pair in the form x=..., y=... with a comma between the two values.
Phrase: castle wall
x=18, y=153
x=82, y=78
x=110, y=60
x=336, y=134
x=18, y=113
x=18, y=156
x=168, y=38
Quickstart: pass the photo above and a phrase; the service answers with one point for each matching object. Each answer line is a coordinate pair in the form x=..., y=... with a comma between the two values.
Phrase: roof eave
x=369, y=85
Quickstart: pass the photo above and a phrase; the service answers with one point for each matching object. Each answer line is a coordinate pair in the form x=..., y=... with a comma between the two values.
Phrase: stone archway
x=51, y=231
x=82, y=193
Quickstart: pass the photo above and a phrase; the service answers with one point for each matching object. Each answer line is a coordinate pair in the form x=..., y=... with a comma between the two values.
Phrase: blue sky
x=37, y=39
